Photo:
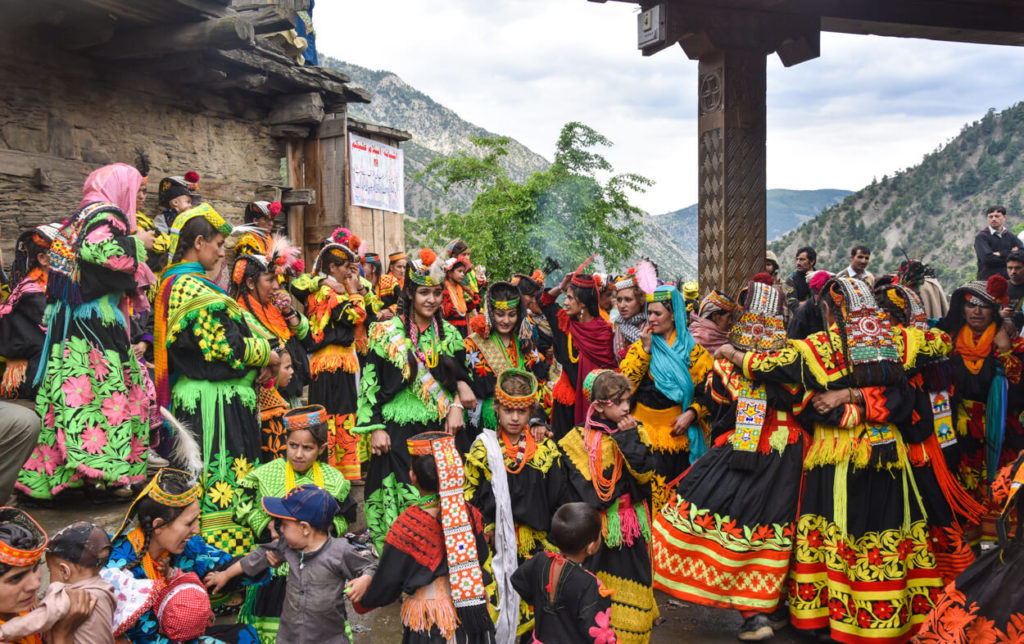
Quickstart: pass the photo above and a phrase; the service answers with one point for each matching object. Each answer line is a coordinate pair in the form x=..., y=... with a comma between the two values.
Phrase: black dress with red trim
x=726, y=538
x=948, y=506
x=623, y=561
x=22, y=335
x=413, y=563
x=986, y=602
x=864, y=566
x=572, y=607
x=971, y=385
x=563, y=393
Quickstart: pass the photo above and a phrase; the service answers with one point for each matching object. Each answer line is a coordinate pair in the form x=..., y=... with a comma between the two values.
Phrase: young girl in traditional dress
x=726, y=537
x=516, y=481
x=414, y=380
x=257, y=283
x=92, y=397
x=629, y=317
x=494, y=346
x=335, y=308
x=302, y=464
x=609, y=465
x=164, y=543
x=273, y=406
x=22, y=332
x=217, y=352
x=458, y=301
x=434, y=553
x=570, y=603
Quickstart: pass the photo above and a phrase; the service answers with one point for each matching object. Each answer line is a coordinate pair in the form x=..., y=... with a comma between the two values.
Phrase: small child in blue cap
x=321, y=569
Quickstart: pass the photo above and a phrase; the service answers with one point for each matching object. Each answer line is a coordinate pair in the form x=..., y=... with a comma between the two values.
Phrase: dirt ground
x=680, y=621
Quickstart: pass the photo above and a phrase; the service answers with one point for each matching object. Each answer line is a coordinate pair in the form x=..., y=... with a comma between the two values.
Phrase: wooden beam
x=268, y=19
x=298, y=197
x=290, y=75
x=304, y=109
x=330, y=128
x=221, y=33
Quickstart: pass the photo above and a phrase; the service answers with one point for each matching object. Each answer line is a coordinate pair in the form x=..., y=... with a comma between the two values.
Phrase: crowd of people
x=836, y=451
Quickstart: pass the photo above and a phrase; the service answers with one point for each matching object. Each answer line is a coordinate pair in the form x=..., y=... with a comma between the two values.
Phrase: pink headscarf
x=118, y=184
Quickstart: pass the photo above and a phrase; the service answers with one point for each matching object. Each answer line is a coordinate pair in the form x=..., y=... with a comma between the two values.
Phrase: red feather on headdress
x=997, y=287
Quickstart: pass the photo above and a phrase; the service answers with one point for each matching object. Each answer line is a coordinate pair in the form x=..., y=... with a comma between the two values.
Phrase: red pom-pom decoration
x=354, y=242
x=997, y=287
x=428, y=257
x=299, y=265
x=478, y=324
x=274, y=208
x=763, y=278
x=192, y=176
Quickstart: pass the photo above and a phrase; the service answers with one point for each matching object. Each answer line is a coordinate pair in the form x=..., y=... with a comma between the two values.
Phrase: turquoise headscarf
x=670, y=365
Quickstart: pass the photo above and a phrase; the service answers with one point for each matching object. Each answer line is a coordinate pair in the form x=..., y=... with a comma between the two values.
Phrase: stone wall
x=63, y=115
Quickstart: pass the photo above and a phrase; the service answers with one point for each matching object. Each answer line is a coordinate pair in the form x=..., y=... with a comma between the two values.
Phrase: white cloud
x=869, y=106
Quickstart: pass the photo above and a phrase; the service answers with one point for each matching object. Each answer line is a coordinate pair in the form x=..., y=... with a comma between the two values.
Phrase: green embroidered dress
x=92, y=399
x=214, y=350
x=403, y=399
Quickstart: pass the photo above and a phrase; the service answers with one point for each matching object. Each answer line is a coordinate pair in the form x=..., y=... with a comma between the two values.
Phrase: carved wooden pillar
x=731, y=168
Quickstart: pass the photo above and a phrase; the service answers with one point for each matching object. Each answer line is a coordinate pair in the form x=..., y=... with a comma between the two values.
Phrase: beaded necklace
x=604, y=487
x=428, y=501
x=519, y=452
x=432, y=355
x=518, y=364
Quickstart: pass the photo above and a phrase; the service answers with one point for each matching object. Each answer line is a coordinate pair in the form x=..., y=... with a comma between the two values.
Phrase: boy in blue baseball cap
x=321, y=569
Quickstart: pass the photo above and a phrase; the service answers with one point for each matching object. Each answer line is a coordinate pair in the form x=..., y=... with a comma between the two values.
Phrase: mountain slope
x=933, y=210
x=436, y=130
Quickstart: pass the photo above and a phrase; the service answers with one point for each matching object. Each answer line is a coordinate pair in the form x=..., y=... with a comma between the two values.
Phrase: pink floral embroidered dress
x=92, y=397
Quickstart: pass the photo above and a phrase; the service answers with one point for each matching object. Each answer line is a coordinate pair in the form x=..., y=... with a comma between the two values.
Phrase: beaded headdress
x=761, y=326
x=427, y=270
x=515, y=401
x=588, y=382
x=465, y=576
x=42, y=237
x=203, y=210
x=715, y=301
x=906, y=301
x=259, y=209
x=396, y=256
x=17, y=557
x=155, y=490
x=306, y=417
x=868, y=332
x=340, y=251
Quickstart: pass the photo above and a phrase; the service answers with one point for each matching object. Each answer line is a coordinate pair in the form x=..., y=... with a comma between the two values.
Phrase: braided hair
x=446, y=369
x=18, y=537
x=148, y=510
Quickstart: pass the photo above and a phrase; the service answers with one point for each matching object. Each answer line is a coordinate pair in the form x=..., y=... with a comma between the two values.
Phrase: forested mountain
x=930, y=211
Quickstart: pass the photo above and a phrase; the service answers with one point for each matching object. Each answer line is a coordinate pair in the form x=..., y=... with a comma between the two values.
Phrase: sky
x=868, y=106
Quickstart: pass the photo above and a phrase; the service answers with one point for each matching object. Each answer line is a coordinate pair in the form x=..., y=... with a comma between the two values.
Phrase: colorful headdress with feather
x=427, y=269
x=156, y=489
x=261, y=209
x=203, y=210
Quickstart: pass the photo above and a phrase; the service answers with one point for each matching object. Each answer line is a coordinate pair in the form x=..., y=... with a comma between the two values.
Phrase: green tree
x=566, y=212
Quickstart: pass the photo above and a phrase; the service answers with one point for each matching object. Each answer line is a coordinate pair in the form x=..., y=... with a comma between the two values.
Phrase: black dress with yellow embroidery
x=622, y=562
x=394, y=398
x=334, y=366
x=215, y=353
x=413, y=562
x=864, y=565
x=535, y=492
x=986, y=603
x=726, y=539
x=657, y=413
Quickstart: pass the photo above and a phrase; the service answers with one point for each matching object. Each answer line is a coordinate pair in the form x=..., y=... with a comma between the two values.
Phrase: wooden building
x=199, y=85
